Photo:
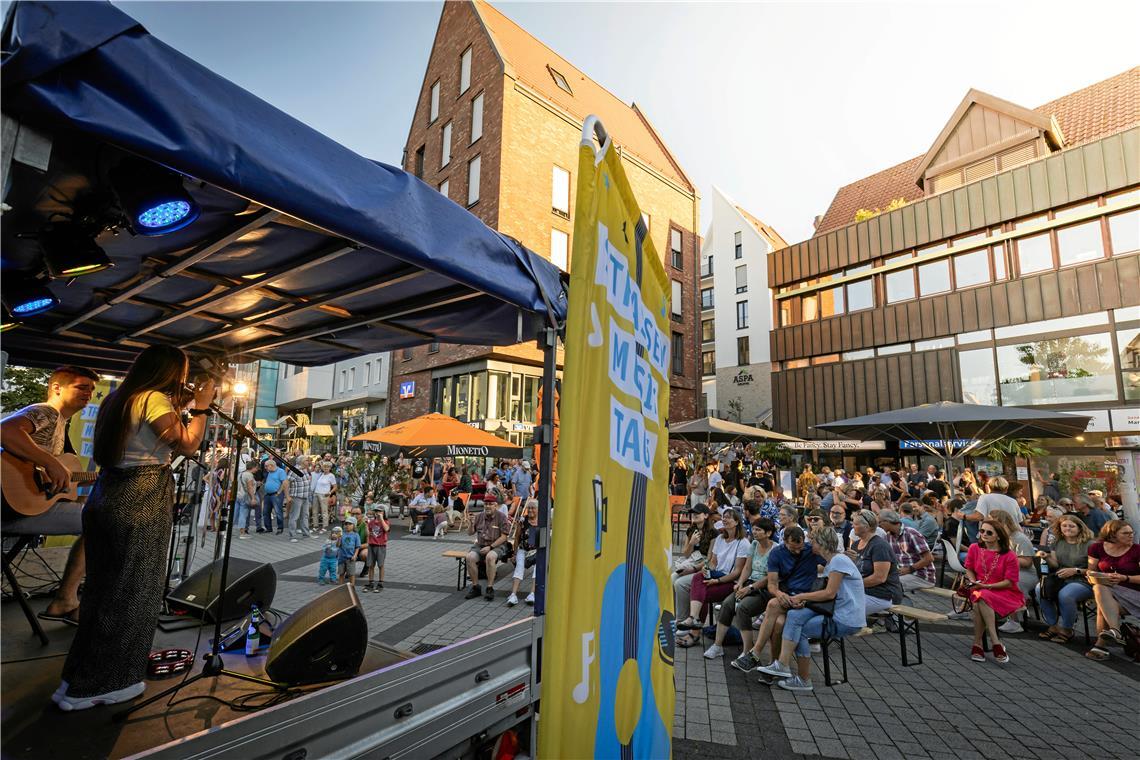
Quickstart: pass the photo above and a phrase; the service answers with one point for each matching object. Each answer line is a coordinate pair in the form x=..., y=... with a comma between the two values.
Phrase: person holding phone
x=1068, y=561
x=1114, y=569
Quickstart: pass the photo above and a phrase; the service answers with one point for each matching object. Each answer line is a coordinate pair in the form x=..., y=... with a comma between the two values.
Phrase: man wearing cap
x=490, y=548
x=1091, y=514
x=521, y=480
x=349, y=549
x=916, y=562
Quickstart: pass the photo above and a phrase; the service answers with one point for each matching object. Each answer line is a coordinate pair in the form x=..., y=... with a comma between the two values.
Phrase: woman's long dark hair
x=157, y=368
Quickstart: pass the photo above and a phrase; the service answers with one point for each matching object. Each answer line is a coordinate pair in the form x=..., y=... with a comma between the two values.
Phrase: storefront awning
x=313, y=431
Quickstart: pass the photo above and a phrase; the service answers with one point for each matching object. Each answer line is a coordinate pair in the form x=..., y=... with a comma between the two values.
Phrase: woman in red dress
x=992, y=572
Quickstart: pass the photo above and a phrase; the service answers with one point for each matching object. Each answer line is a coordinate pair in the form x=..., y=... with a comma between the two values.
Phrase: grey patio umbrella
x=947, y=429
x=710, y=430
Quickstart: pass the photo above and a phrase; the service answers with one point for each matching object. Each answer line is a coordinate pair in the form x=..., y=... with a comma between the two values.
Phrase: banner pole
x=548, y=337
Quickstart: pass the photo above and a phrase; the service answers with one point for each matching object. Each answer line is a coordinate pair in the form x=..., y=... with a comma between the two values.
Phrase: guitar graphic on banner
x=629, y=723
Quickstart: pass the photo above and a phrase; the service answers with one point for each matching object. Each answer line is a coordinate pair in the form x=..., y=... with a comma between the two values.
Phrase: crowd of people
x=841, y=549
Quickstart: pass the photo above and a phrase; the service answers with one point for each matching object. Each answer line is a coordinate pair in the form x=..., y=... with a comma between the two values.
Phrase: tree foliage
x=863, y=214
x=23, y=386
x=1005, y=448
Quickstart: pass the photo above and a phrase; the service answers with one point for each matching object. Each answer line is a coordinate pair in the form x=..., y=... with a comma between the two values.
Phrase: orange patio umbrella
x=433, y=435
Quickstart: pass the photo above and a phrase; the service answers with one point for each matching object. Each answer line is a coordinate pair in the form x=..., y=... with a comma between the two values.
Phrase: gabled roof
x=1042, y=121
x=765, y=231
x=1096, y=111
x=530, y=61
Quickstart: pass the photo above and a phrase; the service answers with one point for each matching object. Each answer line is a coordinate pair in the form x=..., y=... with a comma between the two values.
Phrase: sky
x=777, y=104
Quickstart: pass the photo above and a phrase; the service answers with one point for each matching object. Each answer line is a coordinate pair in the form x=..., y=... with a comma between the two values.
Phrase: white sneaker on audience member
x=1010, y=626
x=776, y=668
x=512, y=600
x=795, y=683
x=713, y=652
x=530, y=598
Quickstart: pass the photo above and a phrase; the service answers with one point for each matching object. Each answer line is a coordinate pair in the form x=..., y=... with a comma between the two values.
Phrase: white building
x=736, y=313
x=349, y=396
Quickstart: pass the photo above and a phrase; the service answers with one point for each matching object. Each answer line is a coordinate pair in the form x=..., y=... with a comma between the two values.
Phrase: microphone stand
x=213, y=665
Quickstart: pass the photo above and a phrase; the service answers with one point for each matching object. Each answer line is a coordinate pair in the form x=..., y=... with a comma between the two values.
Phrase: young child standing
x=349, y=550
x=329, y=553
x=378, y=528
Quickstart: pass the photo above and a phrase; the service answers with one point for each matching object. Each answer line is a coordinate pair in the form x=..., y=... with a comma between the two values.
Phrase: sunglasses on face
x=987, y=532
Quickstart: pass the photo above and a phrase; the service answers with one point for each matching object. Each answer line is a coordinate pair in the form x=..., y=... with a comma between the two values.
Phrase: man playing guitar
x=37, y=434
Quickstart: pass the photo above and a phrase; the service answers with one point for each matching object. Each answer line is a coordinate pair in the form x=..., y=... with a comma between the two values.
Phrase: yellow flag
x=607, y=670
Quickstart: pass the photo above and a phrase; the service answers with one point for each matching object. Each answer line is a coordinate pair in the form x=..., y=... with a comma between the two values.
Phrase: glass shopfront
x=501, y=402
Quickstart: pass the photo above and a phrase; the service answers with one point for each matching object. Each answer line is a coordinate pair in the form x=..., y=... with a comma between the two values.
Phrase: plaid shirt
x=909, y=546
x=300, y=487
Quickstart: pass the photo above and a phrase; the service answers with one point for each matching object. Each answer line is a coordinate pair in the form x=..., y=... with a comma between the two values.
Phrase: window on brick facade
x=473, y=167
x=477, y=117
x=678, y=299
x=738, y=246
x=559, y=249
x=445, y=188
x=465, y=71
x=418, y=166
x=742, y=359
x=433, y=347
x=560, y=80
x=445, y=149
x=742, y=279
x=741, y=315
x=434, y=114
x=560, y=191
x=675, y=248
x=407, y=354
x=678, y=354
x=708, y=362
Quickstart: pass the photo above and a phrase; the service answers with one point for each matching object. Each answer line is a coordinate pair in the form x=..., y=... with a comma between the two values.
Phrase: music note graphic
x=582, y=690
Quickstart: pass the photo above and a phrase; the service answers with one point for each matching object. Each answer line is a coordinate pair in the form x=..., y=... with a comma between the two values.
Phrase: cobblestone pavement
x=886, y=711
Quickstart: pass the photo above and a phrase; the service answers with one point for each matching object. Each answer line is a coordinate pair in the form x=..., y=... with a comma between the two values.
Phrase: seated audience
x=915, y=560
x=1114, y=569
x=840, y=525
x=991, y=572
x=802, y=622
x=725, y=564
x=1068, y=561
x=751, y=593
x=876, y=562
x=1027, y=574
x=787, y=519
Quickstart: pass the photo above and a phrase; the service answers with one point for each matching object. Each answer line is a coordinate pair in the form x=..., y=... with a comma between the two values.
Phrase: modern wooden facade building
x=1008, y=272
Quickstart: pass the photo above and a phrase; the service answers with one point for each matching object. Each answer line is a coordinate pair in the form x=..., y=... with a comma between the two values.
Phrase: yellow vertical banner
x=607, y=668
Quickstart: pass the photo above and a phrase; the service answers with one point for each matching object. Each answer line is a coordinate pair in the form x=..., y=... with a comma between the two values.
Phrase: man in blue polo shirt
x=276, y=489
x=792, y=569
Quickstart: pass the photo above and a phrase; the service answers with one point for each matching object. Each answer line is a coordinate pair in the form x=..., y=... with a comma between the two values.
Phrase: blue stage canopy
x=305, y=251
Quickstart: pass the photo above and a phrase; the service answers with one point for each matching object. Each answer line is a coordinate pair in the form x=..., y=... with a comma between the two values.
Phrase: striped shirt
x=909, y=546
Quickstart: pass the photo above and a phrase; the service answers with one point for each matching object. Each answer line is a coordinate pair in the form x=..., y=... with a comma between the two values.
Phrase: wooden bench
x=461, y=573
x=938, y=591
x=908, y=619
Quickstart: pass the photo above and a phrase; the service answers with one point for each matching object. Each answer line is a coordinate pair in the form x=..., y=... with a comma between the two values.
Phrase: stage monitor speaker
x=248, y=583
x=323, y=641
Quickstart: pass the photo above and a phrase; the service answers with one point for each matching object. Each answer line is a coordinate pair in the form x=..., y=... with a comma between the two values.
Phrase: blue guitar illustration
x=629, y=723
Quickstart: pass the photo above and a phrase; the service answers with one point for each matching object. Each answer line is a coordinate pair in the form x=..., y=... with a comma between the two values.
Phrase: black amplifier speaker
x=323, y=641
x=248, y=583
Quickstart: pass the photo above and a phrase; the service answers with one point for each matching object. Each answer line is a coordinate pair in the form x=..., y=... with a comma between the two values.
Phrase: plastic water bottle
x=253, y=633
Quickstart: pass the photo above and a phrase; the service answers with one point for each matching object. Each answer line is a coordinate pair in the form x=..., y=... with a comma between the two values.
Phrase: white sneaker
x=796, y=684
x=70, y=704
x=714, y=652
x=512, y=600
x=243, y=536
x=1011, y=626
x=776, y=668
x=58, y=695
x=814, y=647
x=292, y=540
x=530, y=598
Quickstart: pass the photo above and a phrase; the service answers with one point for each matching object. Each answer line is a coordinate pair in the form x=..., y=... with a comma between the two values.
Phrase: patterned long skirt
x=126, y=527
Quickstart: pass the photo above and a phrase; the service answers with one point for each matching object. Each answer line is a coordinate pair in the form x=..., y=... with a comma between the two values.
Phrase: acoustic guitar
x=27, y=489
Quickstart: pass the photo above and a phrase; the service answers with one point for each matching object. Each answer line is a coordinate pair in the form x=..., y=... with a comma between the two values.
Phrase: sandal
x=71, y=617
x=688, y=624
x=1061, y=637
x=1050, y=632
x=1097, y=653
x=687, y=641
x=1113, y=635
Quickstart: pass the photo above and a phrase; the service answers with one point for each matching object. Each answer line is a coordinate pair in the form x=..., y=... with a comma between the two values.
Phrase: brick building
x=1009, y=276
x=496, y=128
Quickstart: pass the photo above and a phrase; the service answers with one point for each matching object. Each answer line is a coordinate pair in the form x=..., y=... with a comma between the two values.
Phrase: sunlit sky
x=778, y=104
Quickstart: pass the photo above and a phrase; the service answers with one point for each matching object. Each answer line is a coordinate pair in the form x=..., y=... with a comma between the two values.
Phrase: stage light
x=241, y=388
x=71, y=252
x=26, y=297
x=153, y=199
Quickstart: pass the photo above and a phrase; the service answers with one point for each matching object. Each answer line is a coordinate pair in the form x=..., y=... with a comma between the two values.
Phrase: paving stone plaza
x=946, y=707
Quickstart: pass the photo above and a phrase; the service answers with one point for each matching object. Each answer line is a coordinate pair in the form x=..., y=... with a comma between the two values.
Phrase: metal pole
x=544, y=434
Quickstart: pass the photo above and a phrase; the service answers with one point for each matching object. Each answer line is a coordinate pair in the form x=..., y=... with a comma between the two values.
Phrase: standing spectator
x=246, y=498
x=378, y=529
x=698, y=486
x=297, y=502
x=1068, y=561
x=844, y=585
x=274, y=499
x=349, y=551
x=915, y=560
x=876, y=562
x=329, y=554
x=522, y=481
x=1053, y=487
x=1114, y=569
x=678, y=478
x=715, y=478
x=806, y=483
x=324, y=495
x=997, y=500
x=991, y=572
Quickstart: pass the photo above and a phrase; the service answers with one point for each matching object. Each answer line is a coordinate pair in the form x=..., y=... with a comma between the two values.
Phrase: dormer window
x=560, y=80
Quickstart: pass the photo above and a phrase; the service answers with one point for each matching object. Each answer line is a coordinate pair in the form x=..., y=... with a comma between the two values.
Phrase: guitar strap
x=67, y=447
